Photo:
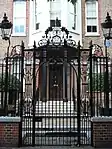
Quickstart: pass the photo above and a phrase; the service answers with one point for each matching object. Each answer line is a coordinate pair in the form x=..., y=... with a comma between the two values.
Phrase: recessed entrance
x=56, y=82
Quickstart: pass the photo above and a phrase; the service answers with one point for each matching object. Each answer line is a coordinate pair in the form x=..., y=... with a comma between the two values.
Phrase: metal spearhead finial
x=108, y=18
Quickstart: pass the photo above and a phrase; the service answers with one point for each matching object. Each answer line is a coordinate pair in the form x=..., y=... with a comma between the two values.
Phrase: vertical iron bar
x=107, y=77
x=65, y=69
x=2, y=92
x=44, y=78
x=21, y=96
x=78, y=93
x=34, y=91
x=6, y=80
x=91, y=98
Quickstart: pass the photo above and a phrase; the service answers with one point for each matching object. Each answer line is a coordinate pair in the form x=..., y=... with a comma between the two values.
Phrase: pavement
x=50, y=147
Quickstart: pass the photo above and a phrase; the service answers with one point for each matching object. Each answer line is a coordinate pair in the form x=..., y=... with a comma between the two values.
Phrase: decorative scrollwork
x=57, y=36
x=56, y=40
x=42, y=42
x=71, y=43
x=28, y=55
x=16, y=51
x=97, y=50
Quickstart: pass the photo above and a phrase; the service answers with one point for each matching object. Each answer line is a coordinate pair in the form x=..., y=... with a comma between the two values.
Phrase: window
x=74, y=26
x=92, y=16
x=55, y=12
x=19, y=17
x=54, y=23
x=72, y=15
x=37, y=15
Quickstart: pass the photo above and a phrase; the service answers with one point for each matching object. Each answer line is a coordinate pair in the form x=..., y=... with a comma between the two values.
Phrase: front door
x=56, y=82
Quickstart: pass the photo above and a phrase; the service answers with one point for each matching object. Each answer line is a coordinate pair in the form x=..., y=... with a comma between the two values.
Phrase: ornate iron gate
x=53, y=112
x=55, y=87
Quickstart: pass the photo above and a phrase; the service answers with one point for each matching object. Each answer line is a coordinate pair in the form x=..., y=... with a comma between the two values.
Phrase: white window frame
x=56, y=13
x=36, y=15
x=74, y=14
x=97, y=24
x=75, y=17
x=19, y=17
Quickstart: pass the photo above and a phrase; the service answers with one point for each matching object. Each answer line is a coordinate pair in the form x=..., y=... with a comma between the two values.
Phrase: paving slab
x=50, y=147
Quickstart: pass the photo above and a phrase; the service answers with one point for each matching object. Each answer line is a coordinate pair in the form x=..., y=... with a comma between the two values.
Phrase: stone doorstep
x=101, y=119
x=9, y=119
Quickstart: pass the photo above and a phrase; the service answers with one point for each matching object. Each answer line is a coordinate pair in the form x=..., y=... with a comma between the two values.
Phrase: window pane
x=38, y=18
x=94, y=29
x=37, y=26
x=71, y=20
x=58, y=24
x=71, y=7
x=19, y=16
x=55, y=5
x=91, y=21
x=91, y=13
x=16, y=29
x=19, y=9
x=52, y=23
x=91, y=28
x=19, y=25
x=54, y=15
x=38, y=7
x=21, y=28
x=91, y=8
x=20, y=21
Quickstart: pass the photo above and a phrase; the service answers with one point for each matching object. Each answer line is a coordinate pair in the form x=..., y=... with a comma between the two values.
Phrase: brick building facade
x=103, y=6
x=8, y=7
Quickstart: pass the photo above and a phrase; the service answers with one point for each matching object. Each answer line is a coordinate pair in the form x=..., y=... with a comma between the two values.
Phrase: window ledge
x=18, y=35
x=92, y=34
x=36, y=32
x=74, y=31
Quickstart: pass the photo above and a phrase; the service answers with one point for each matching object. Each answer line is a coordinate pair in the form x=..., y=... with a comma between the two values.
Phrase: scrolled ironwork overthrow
x=57, y=36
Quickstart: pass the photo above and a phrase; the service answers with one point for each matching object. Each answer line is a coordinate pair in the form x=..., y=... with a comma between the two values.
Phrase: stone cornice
x=102, y=119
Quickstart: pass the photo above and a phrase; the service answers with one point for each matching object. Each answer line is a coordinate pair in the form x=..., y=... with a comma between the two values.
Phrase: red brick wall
x=9, y=134
x=102, y=134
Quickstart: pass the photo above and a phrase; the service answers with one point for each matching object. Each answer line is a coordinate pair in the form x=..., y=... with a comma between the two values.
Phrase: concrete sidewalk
x=50, y=147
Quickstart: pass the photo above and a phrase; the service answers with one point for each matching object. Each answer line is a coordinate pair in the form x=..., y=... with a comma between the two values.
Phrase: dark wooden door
x=56, y=82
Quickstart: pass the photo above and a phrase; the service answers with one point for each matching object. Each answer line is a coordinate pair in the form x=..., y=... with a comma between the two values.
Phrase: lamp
x=107, y=33
x=107, y=27
x=6, y=28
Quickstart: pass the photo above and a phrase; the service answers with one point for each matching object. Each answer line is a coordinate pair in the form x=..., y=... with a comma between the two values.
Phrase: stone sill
x=9, y=119
x=102, y=119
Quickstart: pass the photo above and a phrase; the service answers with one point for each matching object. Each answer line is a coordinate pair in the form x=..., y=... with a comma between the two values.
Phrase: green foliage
x=12, y=81
x=98, y=81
